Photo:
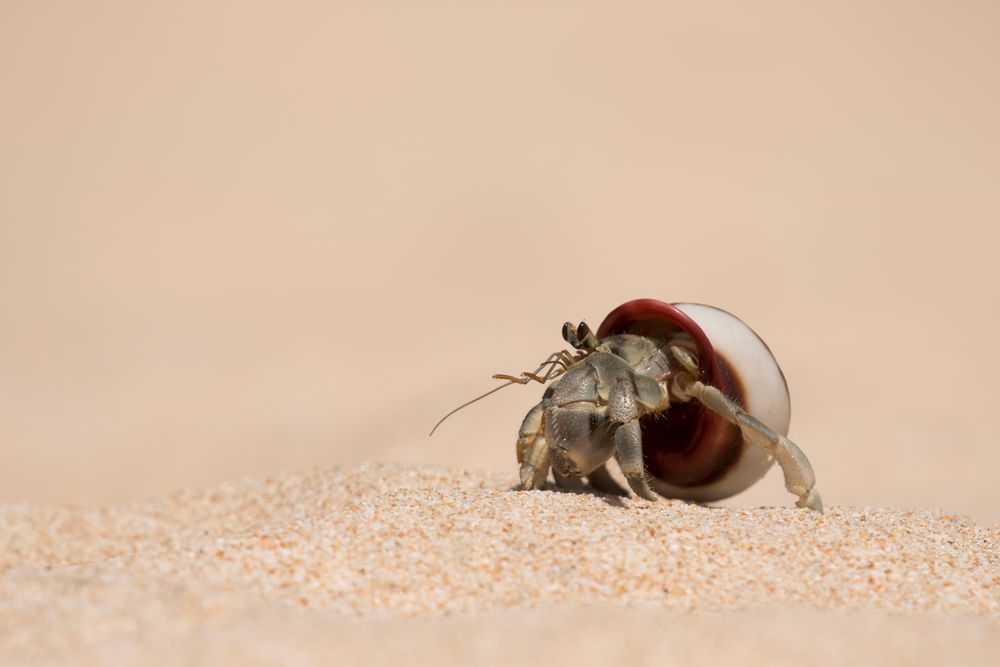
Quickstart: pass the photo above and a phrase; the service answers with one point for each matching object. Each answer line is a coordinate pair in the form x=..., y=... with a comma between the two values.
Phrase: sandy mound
x=368, y=563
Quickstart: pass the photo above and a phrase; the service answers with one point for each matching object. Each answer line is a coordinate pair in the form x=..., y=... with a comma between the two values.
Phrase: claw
x=811, y=502
x=640, y=487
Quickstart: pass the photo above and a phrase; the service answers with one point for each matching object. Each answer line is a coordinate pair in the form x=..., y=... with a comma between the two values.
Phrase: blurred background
x=244, y=237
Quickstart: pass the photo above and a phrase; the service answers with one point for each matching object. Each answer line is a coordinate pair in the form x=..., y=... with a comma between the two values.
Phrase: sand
x=396, y=564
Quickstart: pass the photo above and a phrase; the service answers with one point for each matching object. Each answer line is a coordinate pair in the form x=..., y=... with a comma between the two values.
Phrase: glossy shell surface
x=692, y=453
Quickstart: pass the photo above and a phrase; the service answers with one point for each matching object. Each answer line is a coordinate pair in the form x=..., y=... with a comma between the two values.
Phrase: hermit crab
x=686, y=397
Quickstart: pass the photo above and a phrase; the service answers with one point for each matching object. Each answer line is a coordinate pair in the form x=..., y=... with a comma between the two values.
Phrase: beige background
x=238, y=238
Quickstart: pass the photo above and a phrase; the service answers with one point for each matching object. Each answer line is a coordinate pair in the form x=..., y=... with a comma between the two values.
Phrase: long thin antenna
x=555, y=360
x=463, y=405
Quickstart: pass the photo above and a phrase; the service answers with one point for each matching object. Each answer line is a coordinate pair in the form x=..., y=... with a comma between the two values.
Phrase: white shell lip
x=766, y=398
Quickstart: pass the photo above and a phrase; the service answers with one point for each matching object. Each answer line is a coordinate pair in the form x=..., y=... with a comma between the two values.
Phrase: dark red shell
x=690, y=446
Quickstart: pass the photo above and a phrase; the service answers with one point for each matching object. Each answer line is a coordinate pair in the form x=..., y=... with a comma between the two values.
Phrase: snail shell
x=691, y=452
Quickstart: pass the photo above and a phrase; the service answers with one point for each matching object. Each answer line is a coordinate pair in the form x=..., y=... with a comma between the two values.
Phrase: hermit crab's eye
x=585, y=338
x=569, y=333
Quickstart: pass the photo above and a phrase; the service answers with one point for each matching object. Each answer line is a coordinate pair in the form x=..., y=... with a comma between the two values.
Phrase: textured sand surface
x=381, y=564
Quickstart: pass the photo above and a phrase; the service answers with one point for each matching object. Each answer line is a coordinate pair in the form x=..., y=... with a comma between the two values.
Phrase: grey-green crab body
x=592, y=413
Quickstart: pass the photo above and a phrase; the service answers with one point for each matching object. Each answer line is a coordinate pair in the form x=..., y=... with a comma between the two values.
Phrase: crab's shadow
x=612, y=499
x=619, y=500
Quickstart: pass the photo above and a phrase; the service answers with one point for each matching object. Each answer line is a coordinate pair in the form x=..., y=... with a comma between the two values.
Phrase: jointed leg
x=628, y=451
x=536, y=464
x=799, y=476
x=533, y=450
